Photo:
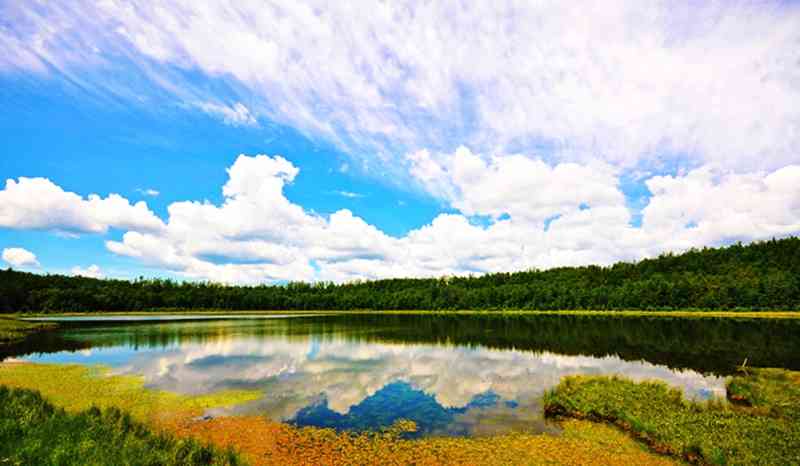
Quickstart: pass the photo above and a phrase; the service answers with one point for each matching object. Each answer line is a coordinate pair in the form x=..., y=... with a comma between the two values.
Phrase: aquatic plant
x=265, y=442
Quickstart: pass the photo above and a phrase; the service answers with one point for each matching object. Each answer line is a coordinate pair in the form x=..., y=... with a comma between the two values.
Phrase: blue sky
x=86, y=147
x=275, y=142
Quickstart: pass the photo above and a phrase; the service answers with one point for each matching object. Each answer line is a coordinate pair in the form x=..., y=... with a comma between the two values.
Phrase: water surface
x=453, y=375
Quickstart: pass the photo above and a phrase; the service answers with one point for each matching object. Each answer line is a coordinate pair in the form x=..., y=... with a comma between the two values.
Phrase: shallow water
x=453, y=375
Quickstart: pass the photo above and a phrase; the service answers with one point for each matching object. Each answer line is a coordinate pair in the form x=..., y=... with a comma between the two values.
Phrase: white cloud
x=148, y=192
x=93, y=271
x=19, y=257
x=628, y=82
x=235, y=115
x=539, y=216
x=527, y=189
x=709, y=205
x=349, y=194
x=522, y=117
x=511, y=212
x=38, y=203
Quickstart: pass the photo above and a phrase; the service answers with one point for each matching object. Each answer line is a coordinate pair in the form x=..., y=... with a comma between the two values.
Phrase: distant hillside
x=763, y=275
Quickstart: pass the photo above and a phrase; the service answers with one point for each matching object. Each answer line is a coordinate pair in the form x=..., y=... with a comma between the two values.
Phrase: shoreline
x=505, y=312
x=645, y=422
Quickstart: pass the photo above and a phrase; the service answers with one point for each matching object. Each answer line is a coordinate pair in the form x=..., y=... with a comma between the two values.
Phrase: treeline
x=758, y=276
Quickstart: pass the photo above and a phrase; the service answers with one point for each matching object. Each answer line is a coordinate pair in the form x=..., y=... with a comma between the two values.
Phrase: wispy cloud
x=349, y=194
x=148, y=192
x=525, y=113
x=233, y=115
x=639, y=83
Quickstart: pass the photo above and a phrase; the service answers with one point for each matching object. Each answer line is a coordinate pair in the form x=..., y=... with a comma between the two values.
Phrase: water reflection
x=330, y=374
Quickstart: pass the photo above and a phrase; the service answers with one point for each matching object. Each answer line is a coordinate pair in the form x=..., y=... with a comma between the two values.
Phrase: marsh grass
x=772, y=392
x=715, y=432
x=13, y=330
x=33, y=431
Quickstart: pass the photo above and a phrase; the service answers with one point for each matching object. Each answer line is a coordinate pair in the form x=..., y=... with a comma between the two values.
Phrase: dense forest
x=758, y=276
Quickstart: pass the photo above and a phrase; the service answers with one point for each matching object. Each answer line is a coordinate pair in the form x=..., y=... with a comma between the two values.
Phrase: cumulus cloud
x=510, y=212
x=93, y=271
x=40, y=204
x=19, y=257
x=710, y=205
x=539, y=215
x=627, y=82
x=522, y=187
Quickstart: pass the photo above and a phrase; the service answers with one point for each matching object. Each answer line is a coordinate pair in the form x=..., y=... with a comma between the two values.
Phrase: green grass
x=715, y=432
x=13, y=330
x=771, y=392
x=33, y=431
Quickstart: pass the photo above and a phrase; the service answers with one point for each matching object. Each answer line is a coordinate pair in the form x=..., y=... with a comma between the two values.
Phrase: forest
x=758, y=276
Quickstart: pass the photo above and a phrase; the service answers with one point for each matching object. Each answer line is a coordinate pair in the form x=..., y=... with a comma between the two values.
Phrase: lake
x=452, y=374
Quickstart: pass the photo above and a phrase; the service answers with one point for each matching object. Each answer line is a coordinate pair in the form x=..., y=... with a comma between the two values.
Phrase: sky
x=257, y=141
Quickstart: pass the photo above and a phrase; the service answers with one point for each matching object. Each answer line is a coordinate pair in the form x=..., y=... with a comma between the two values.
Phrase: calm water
x=453, y=375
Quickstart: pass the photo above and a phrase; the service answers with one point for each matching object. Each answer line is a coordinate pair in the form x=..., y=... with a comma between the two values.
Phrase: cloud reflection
x=333, y=376
x=296, y=373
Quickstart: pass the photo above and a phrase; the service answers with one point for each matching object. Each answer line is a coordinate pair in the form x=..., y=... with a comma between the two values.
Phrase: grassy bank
x=761, y=427
x=33, y=431
x=262, y=441
x=692, y=313
x=13, y=330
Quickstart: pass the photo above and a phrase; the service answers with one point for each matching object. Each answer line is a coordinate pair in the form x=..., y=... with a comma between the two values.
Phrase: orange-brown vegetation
x=265, y=442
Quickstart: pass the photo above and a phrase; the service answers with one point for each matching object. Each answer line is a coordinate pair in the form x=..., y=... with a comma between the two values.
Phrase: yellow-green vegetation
x=262, y=441
x=13, y=330
x=773, y=392
x=76, y=388
x=766, y=431
x=33, y=431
